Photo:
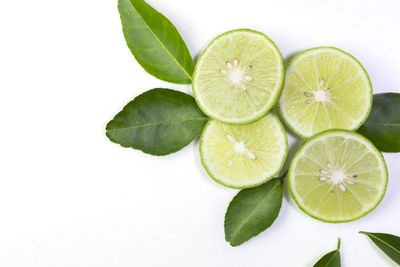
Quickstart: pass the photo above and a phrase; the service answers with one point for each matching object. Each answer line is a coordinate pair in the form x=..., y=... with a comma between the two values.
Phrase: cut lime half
x=239, y=77
x=338, y=176
x=242, y=156
x=325, y=88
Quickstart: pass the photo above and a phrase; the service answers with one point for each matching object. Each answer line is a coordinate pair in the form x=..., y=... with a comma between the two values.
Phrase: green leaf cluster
x=387, y=243
x=162, y=121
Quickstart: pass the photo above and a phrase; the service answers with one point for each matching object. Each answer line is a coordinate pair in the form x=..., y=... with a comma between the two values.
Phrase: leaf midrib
x=377, y=238
x=383, y=124
x=251, y=213
x=162, y=45
x=333, y=256
x=157, y=123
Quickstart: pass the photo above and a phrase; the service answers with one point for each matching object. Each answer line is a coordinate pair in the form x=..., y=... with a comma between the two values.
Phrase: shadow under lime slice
x=239, y=77
x=325, y=88
x=241, y=156
x=338, y=176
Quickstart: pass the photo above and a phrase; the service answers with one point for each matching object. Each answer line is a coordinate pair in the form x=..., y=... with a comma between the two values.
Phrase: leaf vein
x=161, y=43
x=383, y=124
x=384, y=242
x=252, y=212
x=157, y=123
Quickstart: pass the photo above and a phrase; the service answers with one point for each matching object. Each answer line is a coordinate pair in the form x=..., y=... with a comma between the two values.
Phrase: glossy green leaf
x=390, y=244
x=155, y=42
x=252, y=211
x=158, y=122
x=332, y=259
x=383, y=124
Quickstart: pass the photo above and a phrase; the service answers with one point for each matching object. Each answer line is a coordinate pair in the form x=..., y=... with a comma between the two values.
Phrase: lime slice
x=239, y=77
x=325, y=88
x=338, y=176
x=241, y=156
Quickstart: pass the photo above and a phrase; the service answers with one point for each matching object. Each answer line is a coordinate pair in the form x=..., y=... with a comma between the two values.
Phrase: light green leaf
x=389, y=244
x=383, y=124
x=158, y=122
x=155, y=42
x=252, y=211
x=332, y=259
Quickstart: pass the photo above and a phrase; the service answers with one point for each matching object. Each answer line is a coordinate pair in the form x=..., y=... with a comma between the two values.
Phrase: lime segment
x=325, y=88
x=241, y=156
x=239, y=77
x=338, y=176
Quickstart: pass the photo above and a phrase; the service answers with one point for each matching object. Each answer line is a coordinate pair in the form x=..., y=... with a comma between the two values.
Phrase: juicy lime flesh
x=338, y=177
x=238, y=77
x=244, y=155
x=325, y=88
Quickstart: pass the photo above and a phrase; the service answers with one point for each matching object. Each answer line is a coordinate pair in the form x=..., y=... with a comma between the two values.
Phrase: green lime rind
x=266, y=179
x=295, y=58
x=272, y=100
x=310, y=141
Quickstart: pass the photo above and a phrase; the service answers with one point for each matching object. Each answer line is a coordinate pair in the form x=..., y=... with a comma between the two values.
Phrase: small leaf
x=158, y=122
x=332, y=259
x=155, y=42
x=252, y=211
x=383, y=124
x=390, y=244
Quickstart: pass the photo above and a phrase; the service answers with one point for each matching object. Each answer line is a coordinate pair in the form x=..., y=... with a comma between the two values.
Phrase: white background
x=69, y=197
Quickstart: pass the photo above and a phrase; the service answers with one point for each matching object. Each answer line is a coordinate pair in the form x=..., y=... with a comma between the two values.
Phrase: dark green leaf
x=252, y=211
x=158, y=122
x=155, y=42
x=390, y=244
x=332, y=259
x=383, y=124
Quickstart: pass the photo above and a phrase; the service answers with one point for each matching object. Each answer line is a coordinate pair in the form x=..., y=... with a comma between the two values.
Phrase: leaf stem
x=338, y=244
x=283, y=175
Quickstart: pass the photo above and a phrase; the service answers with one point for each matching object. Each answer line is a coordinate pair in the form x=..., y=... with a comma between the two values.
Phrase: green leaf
x=155, y=42
x=383, y=124
x=158, y=122
x=332, y=259
x=390, y=244
x=252, y=211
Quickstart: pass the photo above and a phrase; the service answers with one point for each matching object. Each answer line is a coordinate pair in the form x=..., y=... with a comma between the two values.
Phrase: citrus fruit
x=239, y=77
x=242, y=156
x=338, y=176
x=325, y=88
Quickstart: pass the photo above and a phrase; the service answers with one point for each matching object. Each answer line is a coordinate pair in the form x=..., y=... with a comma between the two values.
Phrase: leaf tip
x=233, y=244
